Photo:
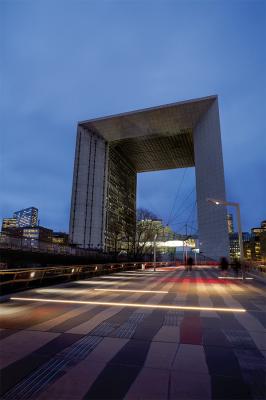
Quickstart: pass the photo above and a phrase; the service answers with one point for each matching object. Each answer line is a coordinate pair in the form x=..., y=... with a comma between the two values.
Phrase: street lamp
x=237, y=206
x=154, y=251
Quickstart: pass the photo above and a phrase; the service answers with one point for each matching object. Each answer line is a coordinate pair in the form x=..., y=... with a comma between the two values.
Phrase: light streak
x=131, y=290
x=137, y=305
x=60, y=291
x=96, y=283
x=126, y=276
x=115, y=277
x=234, y=277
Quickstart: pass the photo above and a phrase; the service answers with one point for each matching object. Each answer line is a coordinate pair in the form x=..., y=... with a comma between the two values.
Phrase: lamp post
x=237, y=206
x=154, y=252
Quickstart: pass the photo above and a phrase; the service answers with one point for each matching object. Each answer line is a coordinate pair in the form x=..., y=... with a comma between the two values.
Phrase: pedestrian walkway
x=164, y=334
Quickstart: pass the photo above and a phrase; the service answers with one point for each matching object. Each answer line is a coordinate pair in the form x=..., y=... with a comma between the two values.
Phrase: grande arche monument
x=110, y=151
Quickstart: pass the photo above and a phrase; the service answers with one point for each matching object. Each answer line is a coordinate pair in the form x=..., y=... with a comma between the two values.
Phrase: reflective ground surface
x=110, y=338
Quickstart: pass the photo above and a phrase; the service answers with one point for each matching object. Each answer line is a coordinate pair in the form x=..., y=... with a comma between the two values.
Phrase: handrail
x=19, y=279
x=24, y=278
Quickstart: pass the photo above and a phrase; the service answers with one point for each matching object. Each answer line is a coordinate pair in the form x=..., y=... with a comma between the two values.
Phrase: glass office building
x=8, y=223
x=27, y=217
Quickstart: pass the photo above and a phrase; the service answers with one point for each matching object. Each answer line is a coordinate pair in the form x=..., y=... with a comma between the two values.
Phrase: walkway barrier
x=12, y=280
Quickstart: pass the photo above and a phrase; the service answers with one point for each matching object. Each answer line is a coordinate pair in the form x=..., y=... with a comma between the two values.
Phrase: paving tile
x=5, y=333
x=191, y=330
x=191, y=359
x=87, y=326
x=113, y=383
x=22, y=343
x=133, y=353
x=225, y=388
x=18, y=370
x=240, y=339
x=60, y=323
x=168, y=334
x=214, y=337
x=150, y=326
x=189, y=386
x=75, y=384
x=249, y=322
x=35, y=315
x=251, y=360
x=211, y=323
x=260, y=316
x=256, y=382
x=259, y=339
x=106, y=350
x=150, y=384
x=222, y=362
x=161, y=355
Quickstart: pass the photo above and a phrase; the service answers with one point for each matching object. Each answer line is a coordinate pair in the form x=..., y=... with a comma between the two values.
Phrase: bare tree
x=148, y=225
x=144, y=214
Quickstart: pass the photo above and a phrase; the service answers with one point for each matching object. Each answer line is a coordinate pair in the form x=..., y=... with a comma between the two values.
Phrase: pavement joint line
x=115, y=304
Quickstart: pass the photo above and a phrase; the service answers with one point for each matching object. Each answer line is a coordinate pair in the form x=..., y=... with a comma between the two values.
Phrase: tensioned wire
x=184, y=206
x=176, y=196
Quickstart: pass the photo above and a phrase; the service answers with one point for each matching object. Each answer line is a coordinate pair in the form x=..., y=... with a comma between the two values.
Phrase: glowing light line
x=131, y=290
x=138, y=305
x=233, y=277
x=60, y=291
x=96, y=283
x=116, y=277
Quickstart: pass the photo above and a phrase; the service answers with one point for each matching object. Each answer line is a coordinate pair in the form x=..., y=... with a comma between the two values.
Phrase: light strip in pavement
x=116, y=277
x=97, y=282
x=105, y=303
x=63, y=291
x=131, y=290
x=233, y=277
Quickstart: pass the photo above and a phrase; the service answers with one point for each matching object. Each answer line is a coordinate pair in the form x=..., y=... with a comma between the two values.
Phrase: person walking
x=237, y=267
x=189, y=263
x=224, y=265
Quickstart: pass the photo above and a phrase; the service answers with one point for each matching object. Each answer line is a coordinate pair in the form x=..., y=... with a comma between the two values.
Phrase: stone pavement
x=109, y=338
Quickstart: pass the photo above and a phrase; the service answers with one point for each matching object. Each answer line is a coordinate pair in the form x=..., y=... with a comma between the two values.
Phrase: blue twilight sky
x=65, y=61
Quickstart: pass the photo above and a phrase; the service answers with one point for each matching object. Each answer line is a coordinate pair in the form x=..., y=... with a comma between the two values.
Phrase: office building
x=60, y=238
x=230, y=224
x=263, y=225
x=111, y=151
x=234, y=245
x=27, y=217
x=38, y=233
x=258, y=242
x=8, y=223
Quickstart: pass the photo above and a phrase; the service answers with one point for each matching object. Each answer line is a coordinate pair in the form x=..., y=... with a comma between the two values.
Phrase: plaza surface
x=165, y=334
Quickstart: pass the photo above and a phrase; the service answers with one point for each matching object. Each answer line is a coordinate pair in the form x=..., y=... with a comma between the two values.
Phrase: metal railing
x=20, y=279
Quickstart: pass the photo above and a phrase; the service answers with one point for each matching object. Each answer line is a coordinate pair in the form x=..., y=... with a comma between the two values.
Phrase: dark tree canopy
x=144, y=214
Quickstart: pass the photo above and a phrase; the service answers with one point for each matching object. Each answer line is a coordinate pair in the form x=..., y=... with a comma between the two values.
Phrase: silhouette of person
x=224, y=265
x=237, y=266
x=189, y=263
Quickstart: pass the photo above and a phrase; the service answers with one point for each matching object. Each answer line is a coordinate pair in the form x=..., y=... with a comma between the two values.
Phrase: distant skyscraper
x=230, y=225
x=27, y=217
